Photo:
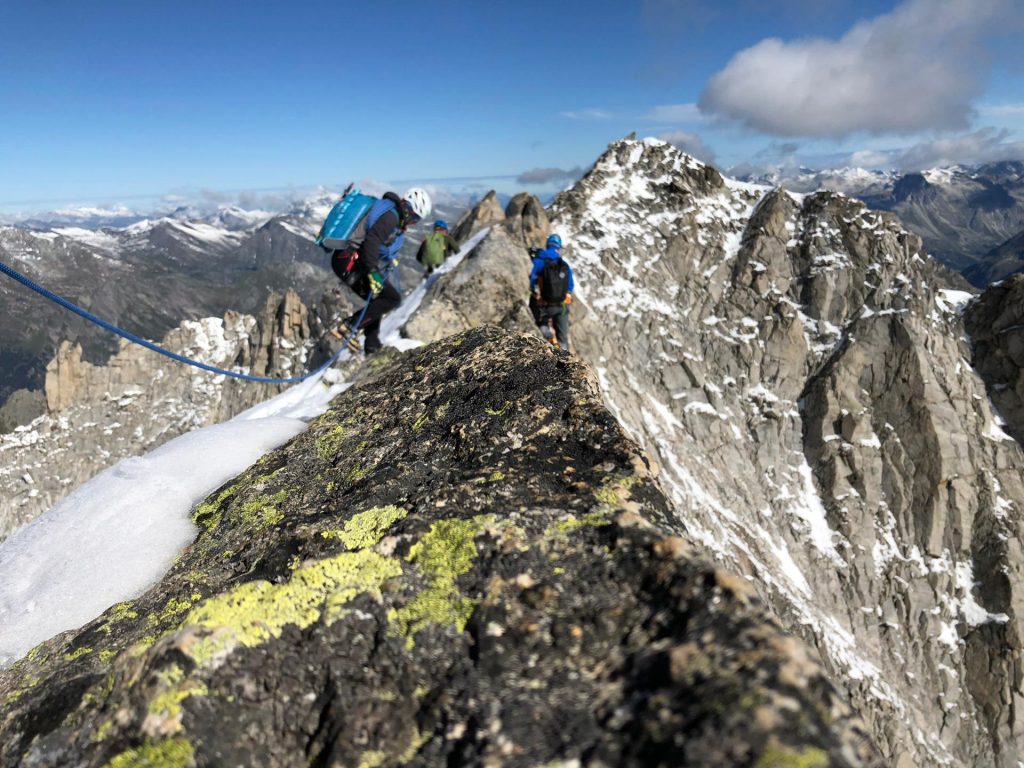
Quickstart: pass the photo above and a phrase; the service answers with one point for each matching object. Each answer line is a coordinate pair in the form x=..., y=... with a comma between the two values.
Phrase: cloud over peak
x=915, y=69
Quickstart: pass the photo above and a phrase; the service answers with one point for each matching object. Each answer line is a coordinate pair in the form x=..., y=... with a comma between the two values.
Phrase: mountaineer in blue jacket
x=377, y=253
x=551, y=287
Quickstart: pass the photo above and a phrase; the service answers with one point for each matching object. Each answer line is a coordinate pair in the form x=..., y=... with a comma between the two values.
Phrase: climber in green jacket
x=436, y=247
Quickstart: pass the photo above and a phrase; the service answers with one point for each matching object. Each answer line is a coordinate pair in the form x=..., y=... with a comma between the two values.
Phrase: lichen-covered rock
x=463, y=562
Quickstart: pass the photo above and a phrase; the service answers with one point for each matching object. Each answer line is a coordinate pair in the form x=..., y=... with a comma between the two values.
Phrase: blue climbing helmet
x=441, y=224
x=554, y=242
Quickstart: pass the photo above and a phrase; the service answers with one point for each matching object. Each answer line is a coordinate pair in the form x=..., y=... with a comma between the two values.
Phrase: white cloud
x=917, y=68
x=987, y=145
x=691, y=144
x=1003, y=110
x=588, y=114
x=872, y=158
x=674, y=113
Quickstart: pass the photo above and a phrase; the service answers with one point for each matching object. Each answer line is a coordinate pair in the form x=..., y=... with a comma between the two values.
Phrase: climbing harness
x=29, y=283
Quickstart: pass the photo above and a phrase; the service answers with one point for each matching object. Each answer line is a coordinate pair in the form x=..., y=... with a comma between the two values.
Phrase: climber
x=436, y=247
x=377, y=254
x=551, y=287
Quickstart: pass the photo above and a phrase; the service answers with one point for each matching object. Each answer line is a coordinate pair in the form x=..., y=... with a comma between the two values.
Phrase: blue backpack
x=346, y=225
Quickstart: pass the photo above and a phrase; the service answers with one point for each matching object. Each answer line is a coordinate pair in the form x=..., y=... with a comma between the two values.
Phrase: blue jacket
x=538, y=266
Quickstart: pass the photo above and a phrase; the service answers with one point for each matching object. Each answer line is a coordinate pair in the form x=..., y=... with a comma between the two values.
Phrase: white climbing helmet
x=419, y=201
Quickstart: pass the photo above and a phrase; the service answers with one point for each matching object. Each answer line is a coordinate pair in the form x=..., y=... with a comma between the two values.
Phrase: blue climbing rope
x=29, y=283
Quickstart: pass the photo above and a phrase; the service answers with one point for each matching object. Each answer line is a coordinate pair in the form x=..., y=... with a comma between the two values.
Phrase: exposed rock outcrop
x=463, y=562
x=487, y=288
x=995, y=322
x=485, y=213
x=793, y=366
x=526, y=220
x=98, y=415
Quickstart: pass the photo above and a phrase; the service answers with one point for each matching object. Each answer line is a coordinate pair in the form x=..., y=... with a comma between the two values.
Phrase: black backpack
x=554, y=281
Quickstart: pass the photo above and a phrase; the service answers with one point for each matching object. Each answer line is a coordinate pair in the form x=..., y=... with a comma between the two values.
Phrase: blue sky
x=110, y=102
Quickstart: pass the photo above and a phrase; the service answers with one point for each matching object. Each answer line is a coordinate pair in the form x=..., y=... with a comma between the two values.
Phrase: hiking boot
x=348, y=335
x=371, y=348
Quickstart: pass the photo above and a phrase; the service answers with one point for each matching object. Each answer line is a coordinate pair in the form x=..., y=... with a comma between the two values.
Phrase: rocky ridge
x=97, y=415
x=995, y=324
x=798, y=371
x=463, y=562
x=962, y=213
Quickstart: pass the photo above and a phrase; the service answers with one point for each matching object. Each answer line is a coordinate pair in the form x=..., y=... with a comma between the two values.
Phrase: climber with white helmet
x=364, y=270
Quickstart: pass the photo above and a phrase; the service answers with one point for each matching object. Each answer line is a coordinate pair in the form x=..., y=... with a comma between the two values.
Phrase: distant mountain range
x=971, y=218
x=148, y=273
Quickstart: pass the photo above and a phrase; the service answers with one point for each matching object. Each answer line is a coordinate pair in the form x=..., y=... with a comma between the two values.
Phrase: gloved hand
x=376, y=282
x=568, y=298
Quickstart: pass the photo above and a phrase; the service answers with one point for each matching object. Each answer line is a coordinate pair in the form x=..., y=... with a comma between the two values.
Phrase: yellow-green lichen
x=173, y=689
x=208, y=515
x=102, y=732
x=262, y=512
x=105, y=656
x=379, y=362
x=77, y=654
x=367, y=528
x=415, y=745
x=496, y=476
x=257, y=611
x=119, y=612
x=142, y=646
x=444, y=553
x=372, y=759
x=493, y=412
x=171, y=753
x=786, y=757
x=355, y=475
x=572, y=523
x=423, y=419
x=615, y=490
x=174, y=607
x=328, y=444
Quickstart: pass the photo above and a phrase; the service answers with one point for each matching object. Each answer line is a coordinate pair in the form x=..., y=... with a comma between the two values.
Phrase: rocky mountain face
x=98, y=415
x=150, y=275
x=964, y=214
x=995, y=323
x=463, y=562
x=802, y=379
x=1006, y=259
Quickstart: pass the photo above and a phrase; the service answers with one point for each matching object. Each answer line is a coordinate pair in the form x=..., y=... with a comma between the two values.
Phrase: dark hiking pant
x=386, y=300
x=557, y=315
